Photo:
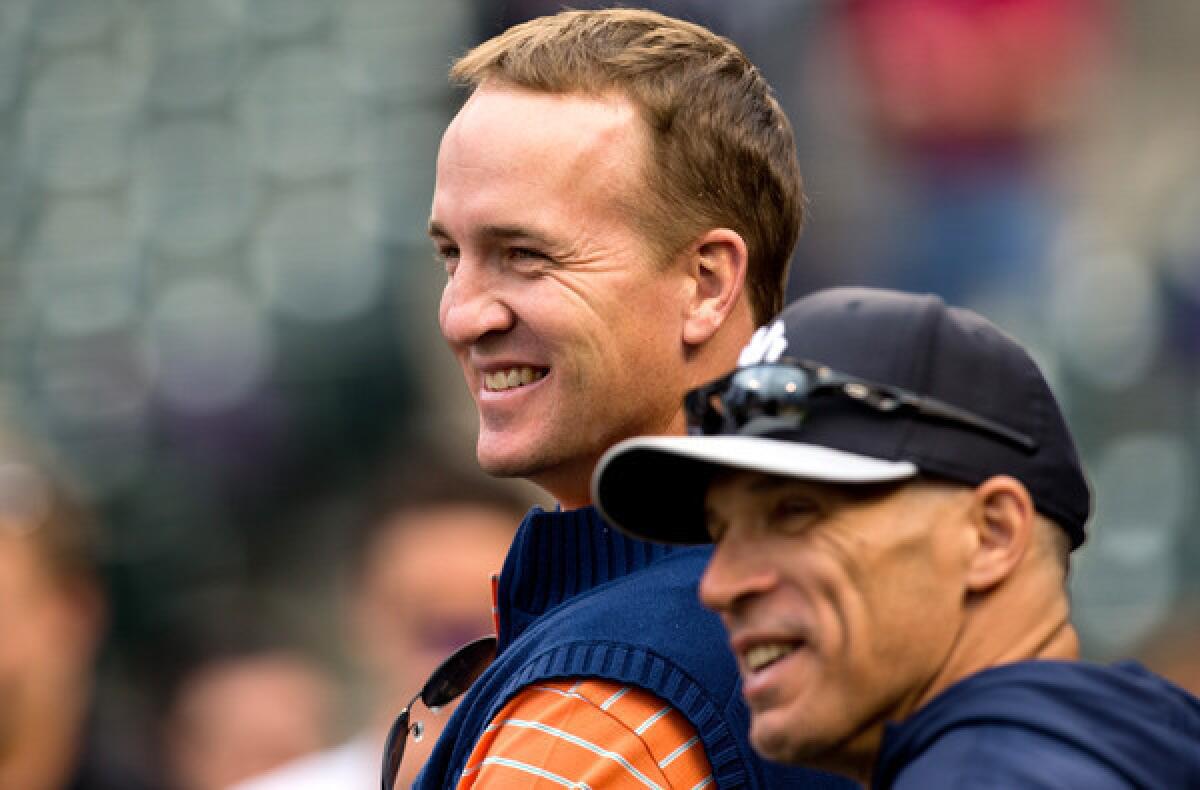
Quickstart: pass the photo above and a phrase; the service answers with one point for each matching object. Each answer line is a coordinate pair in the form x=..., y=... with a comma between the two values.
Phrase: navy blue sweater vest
x=578, y=599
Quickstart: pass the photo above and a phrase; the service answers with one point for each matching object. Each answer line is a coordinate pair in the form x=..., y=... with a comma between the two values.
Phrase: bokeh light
x=194, y=192
x=79, y=122
x=208, y=346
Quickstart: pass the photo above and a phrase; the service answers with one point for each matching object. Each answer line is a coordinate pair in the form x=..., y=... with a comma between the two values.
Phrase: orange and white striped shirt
x=587, y=733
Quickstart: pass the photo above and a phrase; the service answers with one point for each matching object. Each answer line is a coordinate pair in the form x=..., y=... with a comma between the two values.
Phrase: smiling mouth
x=760, y=657
x=512, y=378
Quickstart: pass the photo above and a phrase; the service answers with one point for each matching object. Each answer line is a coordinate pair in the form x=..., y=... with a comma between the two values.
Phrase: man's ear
x=1004, y=518
x=716, y=267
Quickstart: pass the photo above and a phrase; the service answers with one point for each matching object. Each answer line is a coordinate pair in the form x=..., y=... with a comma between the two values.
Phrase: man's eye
x=525, y=254
x=796, y=511
x=798, y=506
x=447, y=256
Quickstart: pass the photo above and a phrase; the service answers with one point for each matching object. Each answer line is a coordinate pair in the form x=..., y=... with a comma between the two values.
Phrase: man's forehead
x=496, y=109
x=512, y=168
x=574, y=133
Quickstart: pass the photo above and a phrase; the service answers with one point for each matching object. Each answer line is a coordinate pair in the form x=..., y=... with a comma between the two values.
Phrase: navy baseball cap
x=856, y=385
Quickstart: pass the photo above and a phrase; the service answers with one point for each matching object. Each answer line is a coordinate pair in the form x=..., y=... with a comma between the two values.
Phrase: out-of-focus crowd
x=236, y=698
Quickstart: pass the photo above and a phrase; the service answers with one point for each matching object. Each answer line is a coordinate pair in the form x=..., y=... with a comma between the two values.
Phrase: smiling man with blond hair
x=616, y=204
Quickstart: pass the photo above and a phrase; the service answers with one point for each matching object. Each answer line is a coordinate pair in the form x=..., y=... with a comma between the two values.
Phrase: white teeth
x=760, y=656
x=501, y=380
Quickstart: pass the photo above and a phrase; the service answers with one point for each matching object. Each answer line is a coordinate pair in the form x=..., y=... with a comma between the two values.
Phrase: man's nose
x=473, y=304
x=736, y=573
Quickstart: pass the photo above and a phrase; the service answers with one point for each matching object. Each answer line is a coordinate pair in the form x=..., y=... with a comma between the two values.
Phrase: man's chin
x=504, y=468
x=790, y=746
x=508, y=464
x=783, y=744
x=564, y=478
x=772, y=745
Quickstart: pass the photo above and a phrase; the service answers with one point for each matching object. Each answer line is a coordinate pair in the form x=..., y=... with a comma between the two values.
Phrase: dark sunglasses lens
x=393, y=750
x=768, y=391
x=458, y=672
x=452, y=677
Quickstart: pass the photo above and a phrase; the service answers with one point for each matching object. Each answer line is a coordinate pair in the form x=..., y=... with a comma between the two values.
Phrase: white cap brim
x=653, y=487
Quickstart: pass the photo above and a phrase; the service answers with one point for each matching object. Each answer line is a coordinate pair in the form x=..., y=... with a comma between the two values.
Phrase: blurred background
x=218, y=304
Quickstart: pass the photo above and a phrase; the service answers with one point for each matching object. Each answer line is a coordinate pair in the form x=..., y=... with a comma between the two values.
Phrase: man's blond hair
x=722, y=152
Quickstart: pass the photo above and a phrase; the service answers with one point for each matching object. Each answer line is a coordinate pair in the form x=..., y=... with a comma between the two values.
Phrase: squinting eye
x=796, y=506
x=524, y=253
x=526, y=261
x=796, y=511
x=448, y=257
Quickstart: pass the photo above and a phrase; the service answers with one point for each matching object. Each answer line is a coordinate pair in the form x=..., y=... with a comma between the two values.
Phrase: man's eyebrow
x=511, y=232
x=493, y=233
x=767, y=483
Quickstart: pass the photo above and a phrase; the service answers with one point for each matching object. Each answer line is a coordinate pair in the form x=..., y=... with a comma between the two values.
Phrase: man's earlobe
x=717, y=263
x=1004, y=518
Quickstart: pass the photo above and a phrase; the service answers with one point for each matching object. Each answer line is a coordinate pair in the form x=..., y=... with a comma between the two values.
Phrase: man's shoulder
x=655, y=607
x=677, y=574
x=1048, y=724
x=985, y=756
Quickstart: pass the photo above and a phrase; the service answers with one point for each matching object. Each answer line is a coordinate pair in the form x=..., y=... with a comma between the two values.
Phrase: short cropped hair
x=722, y=152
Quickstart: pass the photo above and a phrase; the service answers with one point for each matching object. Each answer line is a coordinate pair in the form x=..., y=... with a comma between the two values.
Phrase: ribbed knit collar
x=558, y=555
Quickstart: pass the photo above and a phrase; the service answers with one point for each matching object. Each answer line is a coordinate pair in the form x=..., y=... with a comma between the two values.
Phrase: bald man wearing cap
x=893, y=495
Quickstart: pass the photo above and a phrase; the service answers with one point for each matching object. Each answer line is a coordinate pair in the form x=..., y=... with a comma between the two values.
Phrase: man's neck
x=570, y=485
x=994, y=633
